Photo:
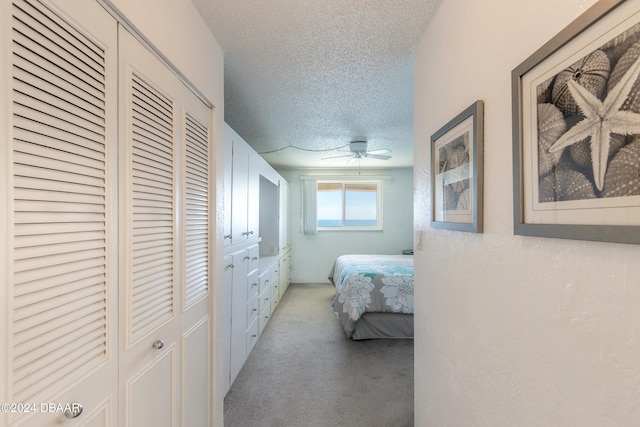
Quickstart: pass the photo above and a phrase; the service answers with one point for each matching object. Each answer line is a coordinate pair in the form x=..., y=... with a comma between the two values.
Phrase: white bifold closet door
x=164, y=245
x=105, y=226
x=59, y=288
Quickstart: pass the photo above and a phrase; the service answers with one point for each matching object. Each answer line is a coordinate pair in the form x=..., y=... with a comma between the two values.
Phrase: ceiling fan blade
x=352, y=159
x=380, y=151
x=378, y=156
x=337, y=157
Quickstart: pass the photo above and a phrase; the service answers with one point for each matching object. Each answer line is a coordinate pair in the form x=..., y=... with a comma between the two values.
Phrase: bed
x=374, y=295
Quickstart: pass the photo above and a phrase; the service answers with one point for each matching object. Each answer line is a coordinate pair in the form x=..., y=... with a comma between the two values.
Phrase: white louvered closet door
x=165, y=240
x=59, y=308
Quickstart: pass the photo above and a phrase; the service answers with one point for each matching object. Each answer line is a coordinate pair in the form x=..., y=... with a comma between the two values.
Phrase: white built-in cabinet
x=105, y=226
x=254, y=235
x=241, y=219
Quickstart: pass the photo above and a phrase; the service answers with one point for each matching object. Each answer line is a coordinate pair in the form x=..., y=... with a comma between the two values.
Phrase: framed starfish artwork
x=576, y=130
x=456, y=171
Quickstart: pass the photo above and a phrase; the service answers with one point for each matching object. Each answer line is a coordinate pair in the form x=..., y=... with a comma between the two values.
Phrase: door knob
x=74, y=411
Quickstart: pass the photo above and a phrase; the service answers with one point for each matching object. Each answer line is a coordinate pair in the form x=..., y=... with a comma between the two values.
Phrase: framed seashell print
x=456, y=172
x=576, y=130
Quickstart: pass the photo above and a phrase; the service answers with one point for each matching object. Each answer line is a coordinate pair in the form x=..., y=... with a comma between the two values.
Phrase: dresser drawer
x=264, y=280
x=252, y=336
x=252, y=310
x=253, y=286
x=263, y=318
x=264, y=300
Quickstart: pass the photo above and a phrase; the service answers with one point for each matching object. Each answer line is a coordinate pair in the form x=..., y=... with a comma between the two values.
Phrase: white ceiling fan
x=359, y=151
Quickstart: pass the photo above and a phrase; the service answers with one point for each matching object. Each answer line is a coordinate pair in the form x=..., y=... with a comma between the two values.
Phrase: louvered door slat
x=55, y=239
x=148, y=280
x=152, y=205
x=145, y=302
x=34, y=379
x=34, y=299
x=59, y=43
x=49, y=158
x=196, y=212
x=57, y=273
x=146, y=132
x=40, y=133
x=156, y=239
x=150, y=316
x=70, y=36
x=158, y=160
x=65, y=337
x=69, y=108
x=153, y=102
x=51, y=121
x=27, y=342
x=60, y=257
x=32, y=182
x=153, y=121
x=43, y=80
x=66, y=115
x=44, y=228
x=151, y=176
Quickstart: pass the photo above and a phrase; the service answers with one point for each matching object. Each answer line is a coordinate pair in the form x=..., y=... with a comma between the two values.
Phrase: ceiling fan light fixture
x=358, y=146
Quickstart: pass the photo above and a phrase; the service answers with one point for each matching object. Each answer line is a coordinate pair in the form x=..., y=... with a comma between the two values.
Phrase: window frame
x=344, y=182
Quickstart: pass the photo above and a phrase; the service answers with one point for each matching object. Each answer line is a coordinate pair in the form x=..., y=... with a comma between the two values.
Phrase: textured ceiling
x=317, y=74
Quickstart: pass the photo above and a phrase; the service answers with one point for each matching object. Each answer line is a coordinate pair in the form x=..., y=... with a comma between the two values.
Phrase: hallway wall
x=512, y=330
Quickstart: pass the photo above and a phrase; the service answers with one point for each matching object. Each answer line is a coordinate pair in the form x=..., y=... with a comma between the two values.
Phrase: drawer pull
x=158, y=344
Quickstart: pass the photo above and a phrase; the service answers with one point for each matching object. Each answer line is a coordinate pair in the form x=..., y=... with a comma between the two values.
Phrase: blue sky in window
x=330, y=205
x=360, y=205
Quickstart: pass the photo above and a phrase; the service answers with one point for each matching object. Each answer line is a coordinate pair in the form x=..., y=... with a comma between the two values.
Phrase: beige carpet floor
x=305, y=372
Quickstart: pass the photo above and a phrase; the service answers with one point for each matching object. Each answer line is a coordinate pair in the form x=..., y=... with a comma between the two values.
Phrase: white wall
x=313, y=256
x=511, y=330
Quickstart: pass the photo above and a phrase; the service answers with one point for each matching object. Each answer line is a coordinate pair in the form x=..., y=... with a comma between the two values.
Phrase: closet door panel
x=149, y=262
x=196, y=255
x=149, y=393
x=195, y=376
x=62, y=261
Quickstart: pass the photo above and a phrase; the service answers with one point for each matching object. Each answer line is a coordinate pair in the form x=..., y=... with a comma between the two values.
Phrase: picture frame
x=457, y=172
x=576, y=130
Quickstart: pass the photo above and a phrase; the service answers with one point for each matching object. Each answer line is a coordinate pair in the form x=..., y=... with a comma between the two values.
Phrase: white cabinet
x=238, y=312
x=264, y=298
x=284, y=270
x=253, y=196
x=256, y=198
x=241, y=188
x=242, y=289
x=284, y=216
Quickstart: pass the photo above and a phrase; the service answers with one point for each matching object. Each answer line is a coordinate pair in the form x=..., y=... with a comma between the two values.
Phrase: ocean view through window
x=352, y=205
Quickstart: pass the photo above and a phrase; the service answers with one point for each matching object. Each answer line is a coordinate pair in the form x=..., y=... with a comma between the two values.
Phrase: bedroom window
x=349, y=205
